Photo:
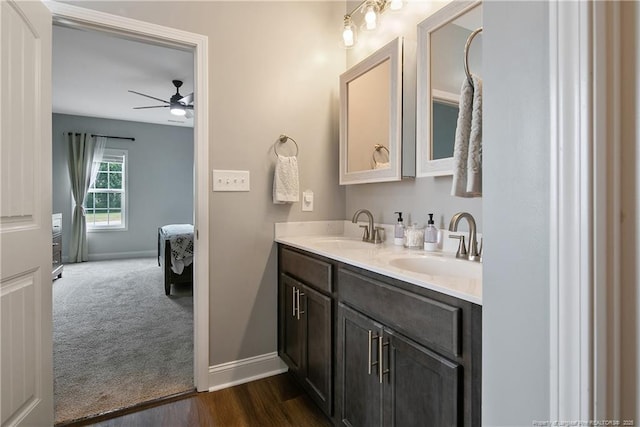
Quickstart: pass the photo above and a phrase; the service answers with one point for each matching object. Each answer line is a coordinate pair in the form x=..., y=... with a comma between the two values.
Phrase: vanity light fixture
x=395, y=5
x=372, y=9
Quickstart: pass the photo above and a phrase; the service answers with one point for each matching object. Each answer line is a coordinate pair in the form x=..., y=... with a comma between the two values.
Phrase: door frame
x=585, y=207
x=78, y=17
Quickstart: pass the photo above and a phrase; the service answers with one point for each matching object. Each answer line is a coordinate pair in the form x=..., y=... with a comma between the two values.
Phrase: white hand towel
x=467, y=152
x=381, y=165
x=285, y=180
x=474, y=159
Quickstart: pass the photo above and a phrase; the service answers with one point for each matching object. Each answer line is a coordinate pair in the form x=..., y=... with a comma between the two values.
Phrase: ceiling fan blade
x=187, y=99
x=153, y=106
x=149, y=96
x=188, y=113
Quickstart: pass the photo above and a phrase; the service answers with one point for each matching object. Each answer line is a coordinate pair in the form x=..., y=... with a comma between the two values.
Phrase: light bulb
x=371, y=17
x=395, y=5
x=177, y=110
x=347, y=36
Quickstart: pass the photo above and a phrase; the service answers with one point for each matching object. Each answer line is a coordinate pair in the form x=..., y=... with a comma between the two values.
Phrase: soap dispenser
x=398, y=232
x=431, y=236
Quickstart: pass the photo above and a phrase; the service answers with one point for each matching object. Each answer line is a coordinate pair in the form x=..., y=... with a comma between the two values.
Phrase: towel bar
x=282, y=139
x=466, y=54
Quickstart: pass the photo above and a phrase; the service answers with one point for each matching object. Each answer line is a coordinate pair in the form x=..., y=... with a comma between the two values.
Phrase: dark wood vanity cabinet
x=376, y=351
x=407, y=356
x=389, y=380
x=305, y=323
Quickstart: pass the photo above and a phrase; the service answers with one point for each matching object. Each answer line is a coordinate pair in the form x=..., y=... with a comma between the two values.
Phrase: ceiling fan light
x=177, y=110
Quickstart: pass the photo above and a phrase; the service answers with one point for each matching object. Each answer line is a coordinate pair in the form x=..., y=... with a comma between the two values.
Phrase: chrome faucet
x=371, y=234
x=474, y=254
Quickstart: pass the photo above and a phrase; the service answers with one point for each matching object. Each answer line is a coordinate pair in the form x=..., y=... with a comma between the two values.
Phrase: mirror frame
x=424, y=131
x=392, y=51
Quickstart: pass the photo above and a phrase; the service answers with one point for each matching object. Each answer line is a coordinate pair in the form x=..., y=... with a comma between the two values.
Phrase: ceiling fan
x=178, y=105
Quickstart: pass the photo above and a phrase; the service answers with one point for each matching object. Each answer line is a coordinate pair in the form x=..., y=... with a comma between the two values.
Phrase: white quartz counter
x=338, y=240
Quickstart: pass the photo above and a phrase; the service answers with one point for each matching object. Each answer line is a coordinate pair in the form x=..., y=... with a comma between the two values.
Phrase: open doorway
x=114, y=327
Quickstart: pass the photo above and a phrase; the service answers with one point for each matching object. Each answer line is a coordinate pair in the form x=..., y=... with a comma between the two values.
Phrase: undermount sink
x=338, y=242
x=439, y=266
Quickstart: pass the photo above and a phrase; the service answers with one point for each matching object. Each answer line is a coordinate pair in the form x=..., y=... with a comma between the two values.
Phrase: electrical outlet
x=228, y=180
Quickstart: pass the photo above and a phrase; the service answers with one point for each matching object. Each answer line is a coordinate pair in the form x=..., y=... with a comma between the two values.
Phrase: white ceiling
x=92, y=72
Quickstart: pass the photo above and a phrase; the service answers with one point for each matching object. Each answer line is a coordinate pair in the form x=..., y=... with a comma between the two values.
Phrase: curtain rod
x=111, y=137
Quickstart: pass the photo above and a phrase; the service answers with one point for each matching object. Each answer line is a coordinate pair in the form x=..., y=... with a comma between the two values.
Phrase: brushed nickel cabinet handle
x=371, y=364
x=381, y=369
x=293, y=301
x=299, y=295
x=369, y=360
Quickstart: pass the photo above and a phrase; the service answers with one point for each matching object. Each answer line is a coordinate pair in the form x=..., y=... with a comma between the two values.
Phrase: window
x=105, y=204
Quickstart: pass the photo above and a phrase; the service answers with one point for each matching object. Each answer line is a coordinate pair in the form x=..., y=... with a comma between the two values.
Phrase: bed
x=175, y=254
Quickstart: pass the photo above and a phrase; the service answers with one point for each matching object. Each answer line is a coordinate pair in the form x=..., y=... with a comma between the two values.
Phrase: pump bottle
x=398, y=232
x=431, y=236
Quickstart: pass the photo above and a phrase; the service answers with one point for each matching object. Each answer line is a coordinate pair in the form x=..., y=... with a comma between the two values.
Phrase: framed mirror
x=371, y=118
x=440, y=72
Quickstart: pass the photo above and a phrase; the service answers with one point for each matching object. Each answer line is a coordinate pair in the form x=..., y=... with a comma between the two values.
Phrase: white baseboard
x=245, y=370
x=123, y=255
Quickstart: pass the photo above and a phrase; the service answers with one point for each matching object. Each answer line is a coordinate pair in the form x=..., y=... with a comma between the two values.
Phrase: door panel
x=318, y=355
x=361, y=391
x=422, y=388
x=25, y=214
x=292, y=345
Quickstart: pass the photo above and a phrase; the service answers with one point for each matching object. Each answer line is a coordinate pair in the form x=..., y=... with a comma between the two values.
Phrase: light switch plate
x=307, y=201
x=230, y=180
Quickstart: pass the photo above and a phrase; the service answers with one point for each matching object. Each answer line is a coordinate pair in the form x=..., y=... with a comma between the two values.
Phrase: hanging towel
x=285, y=180
x=467, y=152
x=381, y=165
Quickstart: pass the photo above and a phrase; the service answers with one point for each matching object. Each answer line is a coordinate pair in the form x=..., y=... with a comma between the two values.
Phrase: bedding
x=175, y=253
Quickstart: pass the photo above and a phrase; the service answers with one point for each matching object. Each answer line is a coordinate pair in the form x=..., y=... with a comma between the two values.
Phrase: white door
x=26, y=375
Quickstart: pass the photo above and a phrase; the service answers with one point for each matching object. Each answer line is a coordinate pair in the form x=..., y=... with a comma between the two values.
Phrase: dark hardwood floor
x=274, y=401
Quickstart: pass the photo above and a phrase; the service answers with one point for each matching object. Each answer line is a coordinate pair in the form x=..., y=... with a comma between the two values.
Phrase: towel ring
x=282, y=139
x=466, y=54
x=376, y=149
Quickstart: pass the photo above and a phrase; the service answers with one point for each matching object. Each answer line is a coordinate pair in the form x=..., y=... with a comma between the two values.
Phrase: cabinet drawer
x=309, y=270
x=424, y=320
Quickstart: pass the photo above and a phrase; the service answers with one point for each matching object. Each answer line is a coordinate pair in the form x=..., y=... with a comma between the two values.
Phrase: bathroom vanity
x=372, y=341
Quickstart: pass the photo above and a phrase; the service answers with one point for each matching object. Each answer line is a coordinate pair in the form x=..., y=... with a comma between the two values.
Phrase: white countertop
x=338, y=240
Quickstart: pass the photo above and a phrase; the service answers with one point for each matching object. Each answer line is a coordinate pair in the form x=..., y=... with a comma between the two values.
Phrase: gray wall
x=160, y=182
x=273, y=68
x=515, y=347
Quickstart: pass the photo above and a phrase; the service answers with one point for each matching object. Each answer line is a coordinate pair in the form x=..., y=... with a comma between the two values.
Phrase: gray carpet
x=118, y=340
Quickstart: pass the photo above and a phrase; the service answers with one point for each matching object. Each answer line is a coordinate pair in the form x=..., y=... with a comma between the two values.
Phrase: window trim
x=117, y=152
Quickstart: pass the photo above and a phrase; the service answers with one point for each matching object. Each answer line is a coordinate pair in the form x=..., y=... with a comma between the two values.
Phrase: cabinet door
x=291, y=339
x=360, y=389
x=421, y=388
x=318, y=355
